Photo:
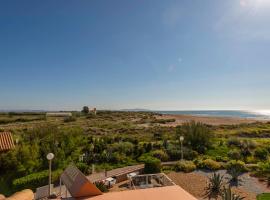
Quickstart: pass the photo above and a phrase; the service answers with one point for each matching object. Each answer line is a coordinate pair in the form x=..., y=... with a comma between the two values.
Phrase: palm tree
x=228, y=195
x=214, y=187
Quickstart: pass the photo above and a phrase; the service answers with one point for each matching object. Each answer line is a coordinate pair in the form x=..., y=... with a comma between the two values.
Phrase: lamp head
x=50, y=156
x=181, y=138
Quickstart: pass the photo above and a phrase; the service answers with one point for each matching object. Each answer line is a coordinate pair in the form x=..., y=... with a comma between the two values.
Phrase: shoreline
x=210, y=120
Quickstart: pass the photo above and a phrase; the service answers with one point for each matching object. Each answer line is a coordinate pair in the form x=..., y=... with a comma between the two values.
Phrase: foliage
x=101, y=186
x=70, y=119
x=190, y=154
x=152, y=165
x=84, y=168
x=234, y=154
x=214, y=187
x=264, y=168
x=234, y=142
x=209, y=164
x=160, y=154
x=197, y=135
x=228, y=195
x=261, y=153
x=219, y=152
x=32, y=181
x=235, y=169
x=85, y=110
x=185, y=166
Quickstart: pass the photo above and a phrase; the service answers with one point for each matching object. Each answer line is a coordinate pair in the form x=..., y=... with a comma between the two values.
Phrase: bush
x=185, y=166
x=221, y=159
x=264, y=168
x=174, y=154
x=70, y=119
x=197, y=135
x=84, y=168
x=190, y=154
x=32, y=181
x=160, y=154
x=152, y=165
x=235, y=169
x=261, y=153
x=236, y=164
x=234, y=142
x=234, y=154
x=101, y=186
x=211, y=164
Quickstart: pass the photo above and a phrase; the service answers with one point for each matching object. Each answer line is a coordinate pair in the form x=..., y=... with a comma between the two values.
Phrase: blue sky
x=154, y=54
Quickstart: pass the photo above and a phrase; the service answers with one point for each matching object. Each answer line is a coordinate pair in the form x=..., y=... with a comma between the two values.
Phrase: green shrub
x=152, y=165
x=190, y=154
x=235, y=169
x=197, y=135
x=101, y=186
x=234, y=154
x=185, y=166
x=214, y=187
x=160, y=154
x=70, y=119
x=264, y=168
x=221, y=159
x=261, y=153
x=84, y=168
x=234, y=142
x=236, y=164
x=211, y=164
x=32, y=181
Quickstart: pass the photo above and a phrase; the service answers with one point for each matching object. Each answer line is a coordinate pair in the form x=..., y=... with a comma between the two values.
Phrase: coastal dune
x=211, y=120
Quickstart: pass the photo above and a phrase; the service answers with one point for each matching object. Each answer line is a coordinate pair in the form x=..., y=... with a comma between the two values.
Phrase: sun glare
x=263, y=112
x=255, y=3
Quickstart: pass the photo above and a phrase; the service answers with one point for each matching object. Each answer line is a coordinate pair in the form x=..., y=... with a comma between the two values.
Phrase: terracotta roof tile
x=6, y=141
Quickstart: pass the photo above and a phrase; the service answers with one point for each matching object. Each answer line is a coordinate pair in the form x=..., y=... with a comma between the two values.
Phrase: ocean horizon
x=256, y=114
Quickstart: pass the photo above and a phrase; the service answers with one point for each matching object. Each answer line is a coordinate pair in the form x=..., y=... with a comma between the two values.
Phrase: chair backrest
x=42, y=192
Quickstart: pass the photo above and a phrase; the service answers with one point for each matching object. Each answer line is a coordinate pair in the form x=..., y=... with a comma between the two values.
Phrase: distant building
x=59, y=114
x=6, y=141
x=94, y=111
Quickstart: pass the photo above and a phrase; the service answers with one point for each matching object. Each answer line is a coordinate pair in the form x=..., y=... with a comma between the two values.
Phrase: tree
x=214, y=187
x=85, y=110
x=197, y=135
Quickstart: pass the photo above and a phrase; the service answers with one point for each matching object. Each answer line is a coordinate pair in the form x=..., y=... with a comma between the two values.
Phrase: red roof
x=6, y=141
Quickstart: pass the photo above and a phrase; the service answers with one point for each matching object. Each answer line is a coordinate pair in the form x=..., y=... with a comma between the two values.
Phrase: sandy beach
x=180, y=119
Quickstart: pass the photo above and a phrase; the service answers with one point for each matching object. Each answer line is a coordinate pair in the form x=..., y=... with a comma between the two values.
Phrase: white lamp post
x=181, y=138
x=50, y=156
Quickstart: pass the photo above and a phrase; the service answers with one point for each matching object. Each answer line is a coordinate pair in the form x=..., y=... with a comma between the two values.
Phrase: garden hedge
x=35, y=180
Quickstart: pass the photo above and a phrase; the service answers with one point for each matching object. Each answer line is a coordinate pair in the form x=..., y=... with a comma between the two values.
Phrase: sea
x=256, y=114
